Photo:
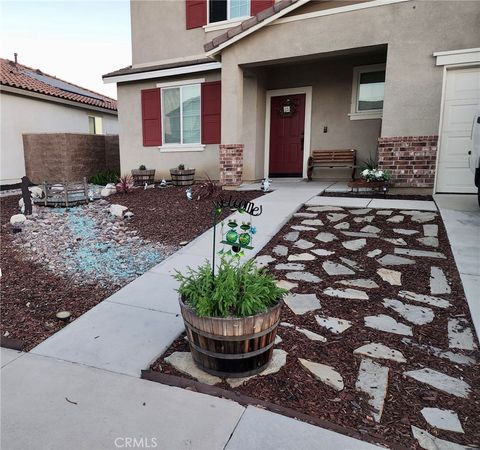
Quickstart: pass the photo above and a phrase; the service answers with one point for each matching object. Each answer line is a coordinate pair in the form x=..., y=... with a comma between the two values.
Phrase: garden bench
x=332, y=159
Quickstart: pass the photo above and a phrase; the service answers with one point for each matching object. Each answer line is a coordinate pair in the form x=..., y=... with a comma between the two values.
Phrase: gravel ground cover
x=72, y=260
x=376, y=329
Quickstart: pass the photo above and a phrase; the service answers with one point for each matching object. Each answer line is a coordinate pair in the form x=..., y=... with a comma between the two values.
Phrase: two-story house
x=245, y=89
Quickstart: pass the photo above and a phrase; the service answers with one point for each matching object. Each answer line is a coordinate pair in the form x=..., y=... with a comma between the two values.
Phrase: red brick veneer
x=231, y=164
x=409, y=159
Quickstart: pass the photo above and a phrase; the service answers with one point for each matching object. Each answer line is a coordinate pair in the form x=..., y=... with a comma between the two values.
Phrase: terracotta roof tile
x=34, y=80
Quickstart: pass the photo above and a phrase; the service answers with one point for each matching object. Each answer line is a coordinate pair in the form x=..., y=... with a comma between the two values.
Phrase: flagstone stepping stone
x=423, y=217
x=384, y=212
x=360, y=282
x=460, y=334
x=438, y=282
x=183, y=362
x=324, y=208
x=396, y=219
x=370, y=229
x=443, y=419
x=305, y=215
x=322, y=252
x=395, y=241
x=380, y=351
x=286, y=285
x=342, y=226
x=316, y=222
x=430, y=230
x=292, y=236
x=279, y=359
x=352, y=294
x=392, y=260
x=393, y=277
x=351, y=264
x=301, y=257
x=404, y=231
x=355, y=245
x=303, y=228
x=286, y=324
x=303, y=244
x=335, y=217
x=440, y=381
x=374, y=253
x=277, y=340
x=290, y=266
x=373, y=380
x=429, y=241
x=326, y=237
x=333, y=268
x=263, y=261
x=303, y=276
x=421, y=298
x=323, y=373
x=359, y=234
x=430, y=442
x=419, y=315
x=363, y=219
x=387, y=324
x=302, y=303
x=311, y=335
x=280, y=250
x=333, y=324
x=359, y=211
x=438, y=352
x=410, y=212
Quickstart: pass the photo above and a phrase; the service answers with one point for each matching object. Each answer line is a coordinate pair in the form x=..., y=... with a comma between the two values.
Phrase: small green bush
x=235, y=291
x=104, y=177
x=142, y=167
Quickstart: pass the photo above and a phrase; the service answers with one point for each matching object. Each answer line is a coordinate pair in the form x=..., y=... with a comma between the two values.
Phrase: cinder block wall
x=68, y=156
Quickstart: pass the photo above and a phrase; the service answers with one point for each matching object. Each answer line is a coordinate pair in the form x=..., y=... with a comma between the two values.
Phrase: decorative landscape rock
x=393, y=277
x=429, y=241
x=384, y=212
x=117, y=210
x=359, y=234
x=280, y=250
x=380, y=351
x=443, y=419
x=456, y=358
x=284, y=284
x=322, y=252
x=306, y=215
x=359, y=211
x=342, y=226
x=335, y=217
x=367, y=219
x=430, y=230
x=405, y=231
x=315, y=222
x=108, y=190
x=128, y=215
x=301, y=257
x=421, y=298
x=183, y=362
x=374, y=253
x=302, y=228
x=373, y=380
x=325, y=237
x=423, y=217
x=395, y=241
x=264, y=260
x=303, y=244
x=388, y=324
x=303, y=276
x=355, y=245
x=370, y=229
x=324, y=208
x=460, y=334
x=311, y=335
x=438, y=282
x=302, y=303
x=396, y=219
x=392, y=260
x=17, y=220
x=351, y=264
x=441, y=381
x=419, y=315
x=359, y=282
x=323, y=373
x=333, y=324
x=292, y=236
x=430, y=442
x=352, y=294
x=333, y=268
x=290, y=266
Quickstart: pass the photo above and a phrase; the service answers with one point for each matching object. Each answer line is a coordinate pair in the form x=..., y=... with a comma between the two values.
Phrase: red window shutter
x=151, y=117
x=211, y=112
x=257, y=6
x=196, y=13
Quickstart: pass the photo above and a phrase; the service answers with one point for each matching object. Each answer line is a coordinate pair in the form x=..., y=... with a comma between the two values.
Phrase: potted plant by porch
x=182, y=176
x=231, y=317
x=143, y=175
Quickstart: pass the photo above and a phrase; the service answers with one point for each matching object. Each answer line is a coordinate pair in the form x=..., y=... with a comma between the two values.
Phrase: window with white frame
x=95, y=125
x=220, y=10
x=368, y=91
x=181, y=115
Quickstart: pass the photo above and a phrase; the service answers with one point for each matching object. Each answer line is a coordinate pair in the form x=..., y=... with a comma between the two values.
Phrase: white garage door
x=462, y=97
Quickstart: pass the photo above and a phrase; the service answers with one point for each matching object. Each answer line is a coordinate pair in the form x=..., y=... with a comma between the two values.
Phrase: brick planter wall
x=231, y=164
x=409, y=159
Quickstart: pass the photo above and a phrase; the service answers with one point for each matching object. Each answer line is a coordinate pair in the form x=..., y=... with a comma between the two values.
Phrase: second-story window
x=220, y=10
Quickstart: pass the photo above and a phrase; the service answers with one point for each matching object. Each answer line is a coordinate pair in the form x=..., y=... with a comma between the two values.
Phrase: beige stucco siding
x=28, y=115
x=132, y=151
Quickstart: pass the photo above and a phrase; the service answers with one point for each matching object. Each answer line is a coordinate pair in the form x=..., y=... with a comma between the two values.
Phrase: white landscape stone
x=384, y=212
x=129, y=215
x=117, y=210
x=367, y=219
x=370, y=229
x=280, y=250
x=443, y=419
x=290, y=266
x=322, y=252
x=325, y=237
x=351, y=264
x=311, y=335
x=374, y=253
x=302, y=228
x=393, y=277
x=292, y=236
x=353, y=294
x=359, y=211
x=441, y=381
x=333, y=324
x=421, y=298
x=287, y=325
x=404, y=231
x=303, y=276
x=429, y=241
x=303, y=244
x=335, y=217
x=380, y=351
x=423, y=217
x=359, y=234
x=355, y=245
x=342, y=226
x=324, y=373
x=324, y=208
x=316, y=222
x=306, y=215
x=302, y=303
x=430, y=442
x=277, y=340
x=264, y=260
x=457, y=358
x=17, y=219
x=460, y=334
x=419, y=315
x=183, y=362
x=301, y=257
x=430, y=230
x=388, y=324
x=373, y=380
x=438, y=282
x=286, y=285
x=360, y=282
x=36, y=191
x=392, y=260
x=333, y=268
x=396, y=219
x=395, y=241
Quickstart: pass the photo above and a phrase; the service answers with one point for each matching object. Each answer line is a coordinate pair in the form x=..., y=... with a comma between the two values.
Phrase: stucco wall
x=26, y=115
x=132, y=151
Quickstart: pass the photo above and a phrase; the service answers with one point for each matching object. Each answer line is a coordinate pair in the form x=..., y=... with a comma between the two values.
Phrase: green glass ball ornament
x=244, y=239
x=232, y=236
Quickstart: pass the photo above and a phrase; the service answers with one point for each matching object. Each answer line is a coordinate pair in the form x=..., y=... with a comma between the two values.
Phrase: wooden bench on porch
x=329, y=159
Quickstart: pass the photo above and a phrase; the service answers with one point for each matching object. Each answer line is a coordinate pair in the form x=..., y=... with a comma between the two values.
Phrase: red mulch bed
x=294, y=388
x=160, y=216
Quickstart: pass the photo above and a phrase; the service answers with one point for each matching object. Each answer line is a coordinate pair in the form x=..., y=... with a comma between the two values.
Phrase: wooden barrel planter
x=140, y=177
x=183, y=177
x=231, y=347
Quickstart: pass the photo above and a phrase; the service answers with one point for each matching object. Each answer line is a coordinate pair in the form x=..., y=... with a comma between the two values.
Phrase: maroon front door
x=287, y=121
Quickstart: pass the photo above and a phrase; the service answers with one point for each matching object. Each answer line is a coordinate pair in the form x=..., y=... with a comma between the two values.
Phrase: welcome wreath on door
x=288, y=108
